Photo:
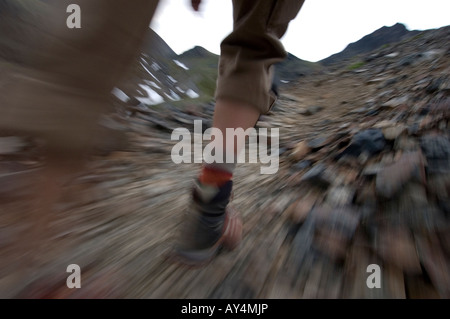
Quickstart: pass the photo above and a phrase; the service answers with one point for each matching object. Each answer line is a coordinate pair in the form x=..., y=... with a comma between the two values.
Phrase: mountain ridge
x=382, y=36
x=195, y=70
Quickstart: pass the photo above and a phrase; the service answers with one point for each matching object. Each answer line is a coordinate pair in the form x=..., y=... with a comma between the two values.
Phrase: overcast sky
x=322, y=28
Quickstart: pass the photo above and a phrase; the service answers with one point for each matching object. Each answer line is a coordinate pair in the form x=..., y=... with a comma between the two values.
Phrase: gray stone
x=436, y=149
x=392, y=178
x=317, y=175
x=395, y=102
x=369, y=141
x=318, y=142
x=311, y=110
x=340, y=195
x=392, y=132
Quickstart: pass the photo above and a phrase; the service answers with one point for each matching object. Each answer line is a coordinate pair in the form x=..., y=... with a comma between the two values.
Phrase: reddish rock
x=396, y=245
x=300, y=150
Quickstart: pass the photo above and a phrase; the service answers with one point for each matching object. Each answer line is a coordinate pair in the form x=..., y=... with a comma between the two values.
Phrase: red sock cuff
x=214, y=176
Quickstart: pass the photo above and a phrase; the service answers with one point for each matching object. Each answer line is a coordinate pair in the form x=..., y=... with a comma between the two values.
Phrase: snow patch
x=148, y=71
x=174, y=95
x=120, y=95
x=192, y=94
x=155, y=66
x=153, y=97
x=180, y=90
x=180, y=64
x=172, y=79
x=151, y=83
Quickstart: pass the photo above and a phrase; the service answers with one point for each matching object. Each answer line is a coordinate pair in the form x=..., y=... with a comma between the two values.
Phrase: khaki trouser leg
x=249, y=52
x=64, y=77
x=56, y=89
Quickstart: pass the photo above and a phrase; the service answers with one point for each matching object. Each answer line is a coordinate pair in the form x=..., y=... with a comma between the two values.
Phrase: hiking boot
x=209, y=224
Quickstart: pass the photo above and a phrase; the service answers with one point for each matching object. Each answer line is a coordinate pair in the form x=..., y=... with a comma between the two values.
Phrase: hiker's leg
x=60, y=86
x=84, y=64
x=243, y=93
x=248, y=54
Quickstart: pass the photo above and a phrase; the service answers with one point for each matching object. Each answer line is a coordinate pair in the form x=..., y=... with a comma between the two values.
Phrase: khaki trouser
x=250, y=51
x=61, y=78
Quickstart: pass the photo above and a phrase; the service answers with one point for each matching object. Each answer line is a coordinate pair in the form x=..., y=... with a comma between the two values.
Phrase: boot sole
x=230, y=240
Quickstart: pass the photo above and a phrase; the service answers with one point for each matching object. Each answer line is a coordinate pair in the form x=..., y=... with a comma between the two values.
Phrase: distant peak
x=197, y=51
x=372, y=41
x=398, y=26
